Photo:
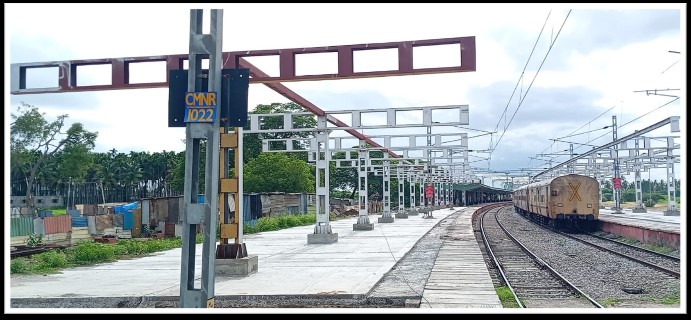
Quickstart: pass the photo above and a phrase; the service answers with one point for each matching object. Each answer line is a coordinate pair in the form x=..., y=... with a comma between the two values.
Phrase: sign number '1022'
x=196, y=114
x=200, y=107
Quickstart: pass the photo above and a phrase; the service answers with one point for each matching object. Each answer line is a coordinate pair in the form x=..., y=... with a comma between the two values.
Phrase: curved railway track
x=534, y=283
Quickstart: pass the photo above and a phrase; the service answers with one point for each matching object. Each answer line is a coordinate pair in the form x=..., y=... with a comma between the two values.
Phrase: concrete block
x=402, y=215
x=237, y=267
x=639, y=210
x=412, y=212
x=385, y=220
x=318, y=238
x=363, y=226
x=670, y=213
x=412, y=303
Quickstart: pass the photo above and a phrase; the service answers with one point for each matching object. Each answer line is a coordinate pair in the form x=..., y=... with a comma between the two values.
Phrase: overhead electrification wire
x=533, y=81
x=641, y=116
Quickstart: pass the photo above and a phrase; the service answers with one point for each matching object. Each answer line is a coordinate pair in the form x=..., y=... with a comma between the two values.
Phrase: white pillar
x=671, y=197
x=363, y=218
x=637, y=174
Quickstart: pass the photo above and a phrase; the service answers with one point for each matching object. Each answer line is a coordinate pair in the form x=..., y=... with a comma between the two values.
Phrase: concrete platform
x=460, y=278
x=288, y=267
x=651, y=227
x=653, y=220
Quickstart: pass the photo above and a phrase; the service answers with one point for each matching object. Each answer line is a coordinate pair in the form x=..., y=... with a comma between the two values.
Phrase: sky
x=544, y=71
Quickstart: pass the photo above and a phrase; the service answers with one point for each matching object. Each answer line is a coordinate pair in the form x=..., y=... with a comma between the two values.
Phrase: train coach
x=571, y=200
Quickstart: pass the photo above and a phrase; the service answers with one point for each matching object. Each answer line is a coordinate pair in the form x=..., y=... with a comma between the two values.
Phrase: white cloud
x=137, y=119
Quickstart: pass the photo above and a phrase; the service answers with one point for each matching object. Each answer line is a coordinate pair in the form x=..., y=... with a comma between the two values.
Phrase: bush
x=91, y=252
x=133, y=247
x=20, y=265
x=35, y=240
x=649, y=203
x=267, y=224
x=52, y=259
x=278, y=222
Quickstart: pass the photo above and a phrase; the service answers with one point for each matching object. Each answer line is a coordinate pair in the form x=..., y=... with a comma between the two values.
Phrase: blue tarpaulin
x=125, y=208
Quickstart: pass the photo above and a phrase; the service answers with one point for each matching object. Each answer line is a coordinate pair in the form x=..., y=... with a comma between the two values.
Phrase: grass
x=651, y=247
x=656, y=248
x=89, y=252
x=608, y=302
x=506, y=297
x=58, y=211
x=672, y=299
x=280, y=222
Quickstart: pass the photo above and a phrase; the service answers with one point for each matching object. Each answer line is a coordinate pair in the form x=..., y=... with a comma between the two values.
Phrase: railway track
x=658, y=261
x=534, y=283
x=26, y=251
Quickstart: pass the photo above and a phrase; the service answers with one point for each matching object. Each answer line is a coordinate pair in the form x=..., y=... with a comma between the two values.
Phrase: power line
x=533, y=81
x=645, y=114
x=587, y=124
x=523, y=72
x=670, y=66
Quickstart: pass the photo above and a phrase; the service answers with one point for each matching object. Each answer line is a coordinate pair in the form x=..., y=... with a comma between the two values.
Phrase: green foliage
x=608, y=302
x=39, y=149
x=649, y=203
x=91, y=252
x=75, y=161
x=52, y=260
x=279, y=222
x=660, y=249
x=341, y=194
x=277, y=172
x=59, y=212
x=671, y=299
x=35, y=240
x=252, y=142
x=20, y=265
x=506, y=297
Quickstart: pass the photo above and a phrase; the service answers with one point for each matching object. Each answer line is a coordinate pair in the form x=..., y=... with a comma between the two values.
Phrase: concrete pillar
x=413, y=208
x=639, y=192
x=602, y=184
x=401, y=194
x=322, y=230
x=422, y=193
x=363, y=218
x=671, y=197
x=386, y=194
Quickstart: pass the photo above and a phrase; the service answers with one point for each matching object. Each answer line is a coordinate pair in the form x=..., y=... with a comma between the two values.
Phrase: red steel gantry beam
x=67, y=70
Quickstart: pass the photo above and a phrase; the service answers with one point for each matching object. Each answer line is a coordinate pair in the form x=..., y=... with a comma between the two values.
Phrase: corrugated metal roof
x=479, y=187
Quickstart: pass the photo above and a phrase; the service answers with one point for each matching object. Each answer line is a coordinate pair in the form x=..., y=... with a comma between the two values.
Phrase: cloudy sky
x=529, y=86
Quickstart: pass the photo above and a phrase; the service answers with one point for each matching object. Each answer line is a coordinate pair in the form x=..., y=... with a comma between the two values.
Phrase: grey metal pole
x=639, y=193
x=671, y=196
x=201, y=213
x=617, y=176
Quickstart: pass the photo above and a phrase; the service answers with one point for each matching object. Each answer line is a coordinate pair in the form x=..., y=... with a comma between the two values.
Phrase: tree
x=345, y=177
x=252, y=142
x=34, y=142
x=277, y=172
